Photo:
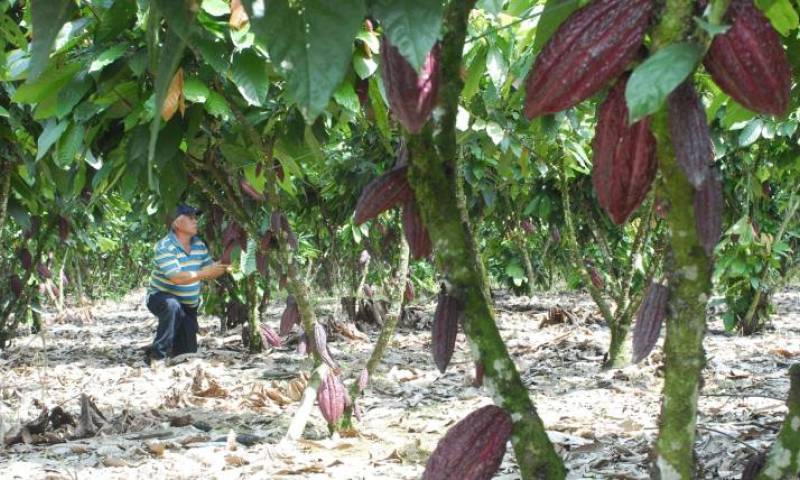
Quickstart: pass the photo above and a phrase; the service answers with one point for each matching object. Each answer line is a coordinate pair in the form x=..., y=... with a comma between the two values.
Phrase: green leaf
x=412, y=26
x=179, y=14
x=474, y=74
x=364, y=66
x=751, y=132
x=781, y=13
x=115, y=20
x=346, y=96
x=195, y=91
x=50, y=135
x=71, y=94
x=712, y=29
x=312, y=45
x=48, y=84
x=516, y=273
x=214, y=52
x=47, y=16
x=250, y=77
x=68, y=145
x=108, y=57
x=172, y=182
x=658, y=76
x=216, y=8
x=553, y=15
x=248, y=258
x=217, y=106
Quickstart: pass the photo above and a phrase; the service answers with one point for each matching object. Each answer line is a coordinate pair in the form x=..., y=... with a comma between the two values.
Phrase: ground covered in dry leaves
x=222, y=412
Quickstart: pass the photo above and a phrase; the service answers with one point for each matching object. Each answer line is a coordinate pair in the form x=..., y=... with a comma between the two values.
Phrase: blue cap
x=182, y=209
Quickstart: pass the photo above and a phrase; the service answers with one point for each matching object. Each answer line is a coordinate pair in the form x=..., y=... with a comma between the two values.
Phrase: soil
x=221, y=413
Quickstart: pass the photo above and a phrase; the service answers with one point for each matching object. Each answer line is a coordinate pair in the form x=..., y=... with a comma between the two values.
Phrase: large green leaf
x=412, y=26
x=781, y=13
x=250, y=76
x=107, y=57
x=115, y=20
x=50, y=135
x=553, y=15
x=658, y=76
x=68, y=145
x=172, y=182
x=47, y=16
x=312, y=45
x=48, y=84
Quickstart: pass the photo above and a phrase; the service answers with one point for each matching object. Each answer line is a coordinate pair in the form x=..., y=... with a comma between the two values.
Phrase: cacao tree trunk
x=255, y=344
x=5, y=190
x=689, y=274
x=783, y=460
x=434, y=177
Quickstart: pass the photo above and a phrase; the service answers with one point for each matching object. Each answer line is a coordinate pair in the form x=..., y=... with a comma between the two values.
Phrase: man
x=181, y=262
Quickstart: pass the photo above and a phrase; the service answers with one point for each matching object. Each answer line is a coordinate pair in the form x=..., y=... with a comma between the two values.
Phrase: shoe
x=150, y=360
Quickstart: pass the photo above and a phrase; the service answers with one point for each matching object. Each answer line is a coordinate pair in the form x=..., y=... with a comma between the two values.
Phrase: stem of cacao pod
x=783, y=460
x=689, y=271
x=434, y=177
x=396, y=290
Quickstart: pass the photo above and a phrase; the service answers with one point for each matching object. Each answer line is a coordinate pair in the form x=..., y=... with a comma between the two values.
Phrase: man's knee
x=173, y=306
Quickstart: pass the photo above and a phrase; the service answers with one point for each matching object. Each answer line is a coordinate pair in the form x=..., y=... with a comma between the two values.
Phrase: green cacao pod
x=749, y=63
x=473, y=448
x=445, y=328
x=419, y=242
x=625, y=161
x=708, y=209
x=591, y=48
x=331, y=398
x=689, y=134
x=648, y=321
x=387, y=191
x=411, y=95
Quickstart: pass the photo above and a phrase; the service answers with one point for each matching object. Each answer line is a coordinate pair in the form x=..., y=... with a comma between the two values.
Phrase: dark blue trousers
x=177, y=326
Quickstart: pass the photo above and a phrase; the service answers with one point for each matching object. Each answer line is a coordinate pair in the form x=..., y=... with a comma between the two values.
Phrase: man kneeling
x=182, y=261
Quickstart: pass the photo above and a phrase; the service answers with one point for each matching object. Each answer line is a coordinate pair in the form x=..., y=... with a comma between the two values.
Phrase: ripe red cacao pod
x=527, y=225
x=331, y=398
x=290, y=316
x=625, y=161
x=321, y=346
x=412, y=95
x=591, y=48
x=25, y=259
x=689, y=133
x=748, y=61
x=708, y=209
x=419, y=242
x=269, y=336
x=648, y=320
x=445, y=328
x=250, y=191
x=473, y=448
x=385, y=192
x=43, y=271
x=262, y=260
x=15, y=283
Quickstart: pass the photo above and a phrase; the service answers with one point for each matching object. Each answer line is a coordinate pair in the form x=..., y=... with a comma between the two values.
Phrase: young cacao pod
x=290, y=316
x=445, y=328
x=63, y=229
x=331, y=398
x=689, y=133
x=43, y=271
x=321, y=346
x=748, y=61
x=648, y=321
x=473, y=448
x=591, y=48
x=419, y=242
x=625, y=161
x=385, y=192
x=250, y=191
x=25, y=259
x=15, y=283
x=269, y=336
x=411, y=95
x=527, y=225
x=708, y=209
x=262, y=260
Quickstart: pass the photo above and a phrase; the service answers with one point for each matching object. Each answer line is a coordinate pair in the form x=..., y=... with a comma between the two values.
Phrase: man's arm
x=206, y=273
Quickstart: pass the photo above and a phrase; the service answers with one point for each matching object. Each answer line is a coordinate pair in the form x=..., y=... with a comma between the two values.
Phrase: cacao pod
x=419, y=242
x=368, y=290
x=477, y=382
x=648, y=320
x=302, y=344
x=473, y=448
x=43, y=271
x=250, y=191
x=409, y=294
x=412, y=96
x=63, y=229
x=25, y=259
x=226, y=254
x=748, y=61
x=269, y=336
x=597, y=280
x=385, y=192
x=262, y=260
x=290, y=316
x=625, y=161
x=527, y=225
x=591, y=48
x=15, y=283
x=689, y=133
x=331, y=398
x=445, y=327
x=321, y=346
x=708, y=209
x=363, y=380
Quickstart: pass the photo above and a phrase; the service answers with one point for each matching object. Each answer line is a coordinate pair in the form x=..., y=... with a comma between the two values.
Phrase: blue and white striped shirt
x=170, y=259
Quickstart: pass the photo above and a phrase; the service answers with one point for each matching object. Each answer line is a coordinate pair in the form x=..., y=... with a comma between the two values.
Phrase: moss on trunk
x=783, y=460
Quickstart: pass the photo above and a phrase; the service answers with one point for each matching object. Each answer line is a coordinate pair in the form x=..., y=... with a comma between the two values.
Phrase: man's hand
x=214, y=270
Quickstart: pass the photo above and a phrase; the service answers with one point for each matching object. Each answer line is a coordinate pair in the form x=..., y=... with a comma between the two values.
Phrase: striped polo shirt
x=170, y=258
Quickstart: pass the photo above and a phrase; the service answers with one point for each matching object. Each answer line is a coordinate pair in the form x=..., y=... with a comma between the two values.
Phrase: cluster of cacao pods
x=389, y=191
x=446, y=319
x=473, y=448
x=595, y=46
x=280, y=224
